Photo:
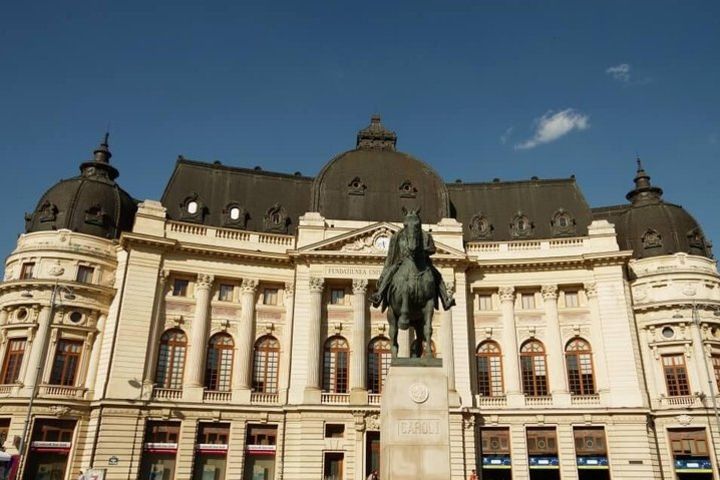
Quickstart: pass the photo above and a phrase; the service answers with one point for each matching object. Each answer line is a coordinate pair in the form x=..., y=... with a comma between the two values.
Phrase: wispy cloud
x=553, y=126
x=620, y=72
x=506, y=136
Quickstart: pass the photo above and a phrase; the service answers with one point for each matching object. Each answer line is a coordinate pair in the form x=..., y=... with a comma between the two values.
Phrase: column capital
x=590, y=289
x=289, y=289
x=204, y=281
x=549, y=292
x=507, y=294
x=359, y=285
x=249, y=285
x=317, y=284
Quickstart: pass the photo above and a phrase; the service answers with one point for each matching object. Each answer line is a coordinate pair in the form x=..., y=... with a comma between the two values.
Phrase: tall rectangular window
x=180, y=287
x=270, y=296
x=66, y=362
x=84, y=274
x=485, y=302
x=333, y=468
x=571, y=299
x=26, y=271
x=225, y=293
x=716, y=369
x=337, y=296
x=13, y=360
x=676, y=377
x=528, y=301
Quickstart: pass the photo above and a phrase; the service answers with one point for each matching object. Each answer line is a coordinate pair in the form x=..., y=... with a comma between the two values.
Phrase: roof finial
x=375, y=136
x=639, y=162
x=643, y=192
x=102, y=154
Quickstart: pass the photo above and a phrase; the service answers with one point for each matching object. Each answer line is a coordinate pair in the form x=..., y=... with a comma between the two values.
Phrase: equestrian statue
x=410, y=286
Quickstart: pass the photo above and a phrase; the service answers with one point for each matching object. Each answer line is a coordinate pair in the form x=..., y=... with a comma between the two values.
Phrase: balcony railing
x=61, y=391
x=374, y=398
x=263, y=398
x=216, y=396
x=683, y=401
x=334, y=398
x=585, y=400
x=6, y=390
x=544, y=401
x=167, y=394
x=491, y=402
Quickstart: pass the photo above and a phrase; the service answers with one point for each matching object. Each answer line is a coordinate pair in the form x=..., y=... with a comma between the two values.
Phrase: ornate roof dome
x=90, y=203
x=652, y=227
x=375, y=182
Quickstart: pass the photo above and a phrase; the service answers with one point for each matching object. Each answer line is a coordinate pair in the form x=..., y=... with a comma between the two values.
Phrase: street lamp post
x=54, y=301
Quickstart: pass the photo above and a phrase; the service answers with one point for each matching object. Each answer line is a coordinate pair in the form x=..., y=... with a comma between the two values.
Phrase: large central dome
x=375, y=182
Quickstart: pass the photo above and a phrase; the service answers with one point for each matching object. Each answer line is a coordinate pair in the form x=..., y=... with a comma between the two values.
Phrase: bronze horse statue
x=409, y=285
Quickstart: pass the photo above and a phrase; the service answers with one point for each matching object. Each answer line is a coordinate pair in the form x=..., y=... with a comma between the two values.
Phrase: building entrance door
x=372, y=452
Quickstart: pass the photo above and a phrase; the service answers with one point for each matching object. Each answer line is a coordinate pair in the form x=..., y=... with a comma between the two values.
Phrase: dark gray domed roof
x=90, y=203
x=650, y=227
x=375, y=182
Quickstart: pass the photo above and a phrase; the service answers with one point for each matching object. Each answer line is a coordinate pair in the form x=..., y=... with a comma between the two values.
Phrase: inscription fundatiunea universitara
x=343, y=272
x=414, y=428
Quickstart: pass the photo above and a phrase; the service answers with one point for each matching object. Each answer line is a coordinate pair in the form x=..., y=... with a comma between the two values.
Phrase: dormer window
x=356, y=187
x=95, y=215
x=480, y=227
x=521, y=226
x=407, y=190
x=562, y=223
x=651, y=239
x=48, y=212
x=235, y=215
x=276, y=219
x=192, y=208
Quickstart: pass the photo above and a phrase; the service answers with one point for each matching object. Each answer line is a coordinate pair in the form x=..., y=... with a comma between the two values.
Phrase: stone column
x=554, y=348
x=286, y=341
x=511, y=365
x=95, y=341
x=448, y=352
x=312, y=386
x=701, y=355
x=245, y=340
x=195, y=366
x=358, y=354
x=598, y=341
x=36, y=358
x=3, y=316
x=156, y=329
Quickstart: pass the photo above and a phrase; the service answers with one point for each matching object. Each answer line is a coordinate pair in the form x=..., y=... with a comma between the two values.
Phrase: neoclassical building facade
x=225, y=332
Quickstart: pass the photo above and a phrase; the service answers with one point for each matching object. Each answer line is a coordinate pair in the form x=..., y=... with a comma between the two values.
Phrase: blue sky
x=477, y=89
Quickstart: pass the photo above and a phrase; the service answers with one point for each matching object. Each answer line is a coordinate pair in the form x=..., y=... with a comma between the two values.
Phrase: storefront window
x=50, y=445
x=160, y=451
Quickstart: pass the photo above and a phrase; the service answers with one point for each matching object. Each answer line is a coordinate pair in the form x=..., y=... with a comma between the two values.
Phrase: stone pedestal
x=414, y=422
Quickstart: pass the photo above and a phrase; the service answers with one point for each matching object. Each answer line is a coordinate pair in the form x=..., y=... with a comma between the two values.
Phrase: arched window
x=171, y=359
x=534, y=369
x=218, y=365
x=488, y=358
x=266, y=360
x=421, y=348
x=335, y=365
x=578, y=358
x=379, y=357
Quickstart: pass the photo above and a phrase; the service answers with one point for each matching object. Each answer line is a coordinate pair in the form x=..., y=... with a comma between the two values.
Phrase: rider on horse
x=396, y=256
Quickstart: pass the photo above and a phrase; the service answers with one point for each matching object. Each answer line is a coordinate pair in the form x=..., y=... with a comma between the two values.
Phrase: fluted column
x=358, y=355
x=312, y=386
x=598, y=341
x=198, y=336
x=95, y=341
x=156, y=329
x=286, y=341
x=511, y=365
x=554, y=347
x=246, y=335
x=36, y=358
x=446, y=336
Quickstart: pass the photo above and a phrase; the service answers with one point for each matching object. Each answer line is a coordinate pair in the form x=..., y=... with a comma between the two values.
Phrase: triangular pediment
x=372, y=239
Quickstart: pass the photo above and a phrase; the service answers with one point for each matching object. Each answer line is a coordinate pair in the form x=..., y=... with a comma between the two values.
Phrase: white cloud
x=552, y=126
x=620, y=72
x=506, y=136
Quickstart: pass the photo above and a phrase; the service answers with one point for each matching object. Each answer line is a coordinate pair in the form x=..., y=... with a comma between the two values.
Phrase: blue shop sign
x=496, y=462
x=693, y=465
x=544, y=463
x=592, y=463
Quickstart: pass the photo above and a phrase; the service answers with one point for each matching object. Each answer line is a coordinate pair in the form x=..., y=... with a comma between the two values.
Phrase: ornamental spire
x=643, y=192
x=376, y=137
